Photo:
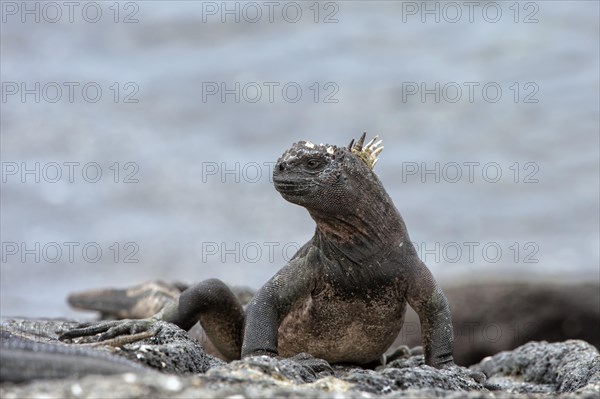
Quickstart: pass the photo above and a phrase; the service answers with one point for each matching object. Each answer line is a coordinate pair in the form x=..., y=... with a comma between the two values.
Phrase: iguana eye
x=313, y=163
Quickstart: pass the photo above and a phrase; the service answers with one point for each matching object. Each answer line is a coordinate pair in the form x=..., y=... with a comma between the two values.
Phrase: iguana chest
x=343, y=328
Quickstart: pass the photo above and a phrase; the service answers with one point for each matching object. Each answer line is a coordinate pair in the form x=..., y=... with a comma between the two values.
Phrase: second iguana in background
x=343, y=296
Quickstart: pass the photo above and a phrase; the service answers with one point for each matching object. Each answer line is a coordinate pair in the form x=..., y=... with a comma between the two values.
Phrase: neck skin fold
x=370, y=231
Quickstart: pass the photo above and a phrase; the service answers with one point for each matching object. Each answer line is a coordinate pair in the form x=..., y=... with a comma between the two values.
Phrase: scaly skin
x=342, y=297
x=24, y=359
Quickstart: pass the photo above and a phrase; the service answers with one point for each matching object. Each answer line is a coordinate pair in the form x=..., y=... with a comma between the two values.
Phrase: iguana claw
x=110, y=330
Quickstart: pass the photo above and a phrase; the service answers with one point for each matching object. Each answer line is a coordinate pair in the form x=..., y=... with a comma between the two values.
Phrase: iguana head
x=323, y=176
x=339, y=189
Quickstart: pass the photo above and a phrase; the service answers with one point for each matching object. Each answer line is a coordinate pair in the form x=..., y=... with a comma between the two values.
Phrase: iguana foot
x=443, y=363
x=116, y=333
x=319, y=367
x=400, y=352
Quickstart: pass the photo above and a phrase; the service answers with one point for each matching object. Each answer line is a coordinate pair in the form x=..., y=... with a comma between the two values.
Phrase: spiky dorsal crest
x=367, y=153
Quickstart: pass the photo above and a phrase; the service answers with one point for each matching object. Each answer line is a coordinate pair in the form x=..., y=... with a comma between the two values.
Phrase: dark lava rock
x=536, y=370
x=547, y=367
x=412, y=374
x=171, y=350
x=22, y=359
x=488, y=318
x=31, y=347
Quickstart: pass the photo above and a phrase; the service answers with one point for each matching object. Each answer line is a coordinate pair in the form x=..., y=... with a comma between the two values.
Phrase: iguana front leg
x=436, y=330
x=272, y=303
x=428, y=300
x=211, y=302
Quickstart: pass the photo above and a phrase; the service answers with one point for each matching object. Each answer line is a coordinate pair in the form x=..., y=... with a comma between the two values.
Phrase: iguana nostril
x=281, y=166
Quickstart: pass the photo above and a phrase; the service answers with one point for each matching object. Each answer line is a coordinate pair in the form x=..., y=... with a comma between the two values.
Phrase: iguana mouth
x=290, y=188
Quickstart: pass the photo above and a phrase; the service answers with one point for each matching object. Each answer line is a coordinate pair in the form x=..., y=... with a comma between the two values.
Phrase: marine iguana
x=342, y=297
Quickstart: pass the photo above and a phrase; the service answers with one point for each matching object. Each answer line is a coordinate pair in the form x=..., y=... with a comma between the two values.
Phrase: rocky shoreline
x=171, y=364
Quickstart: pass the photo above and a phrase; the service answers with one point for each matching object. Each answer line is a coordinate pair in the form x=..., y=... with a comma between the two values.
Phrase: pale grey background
x=171, y=133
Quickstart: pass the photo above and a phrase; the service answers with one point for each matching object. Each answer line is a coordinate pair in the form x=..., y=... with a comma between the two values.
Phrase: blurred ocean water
x=203, y=204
